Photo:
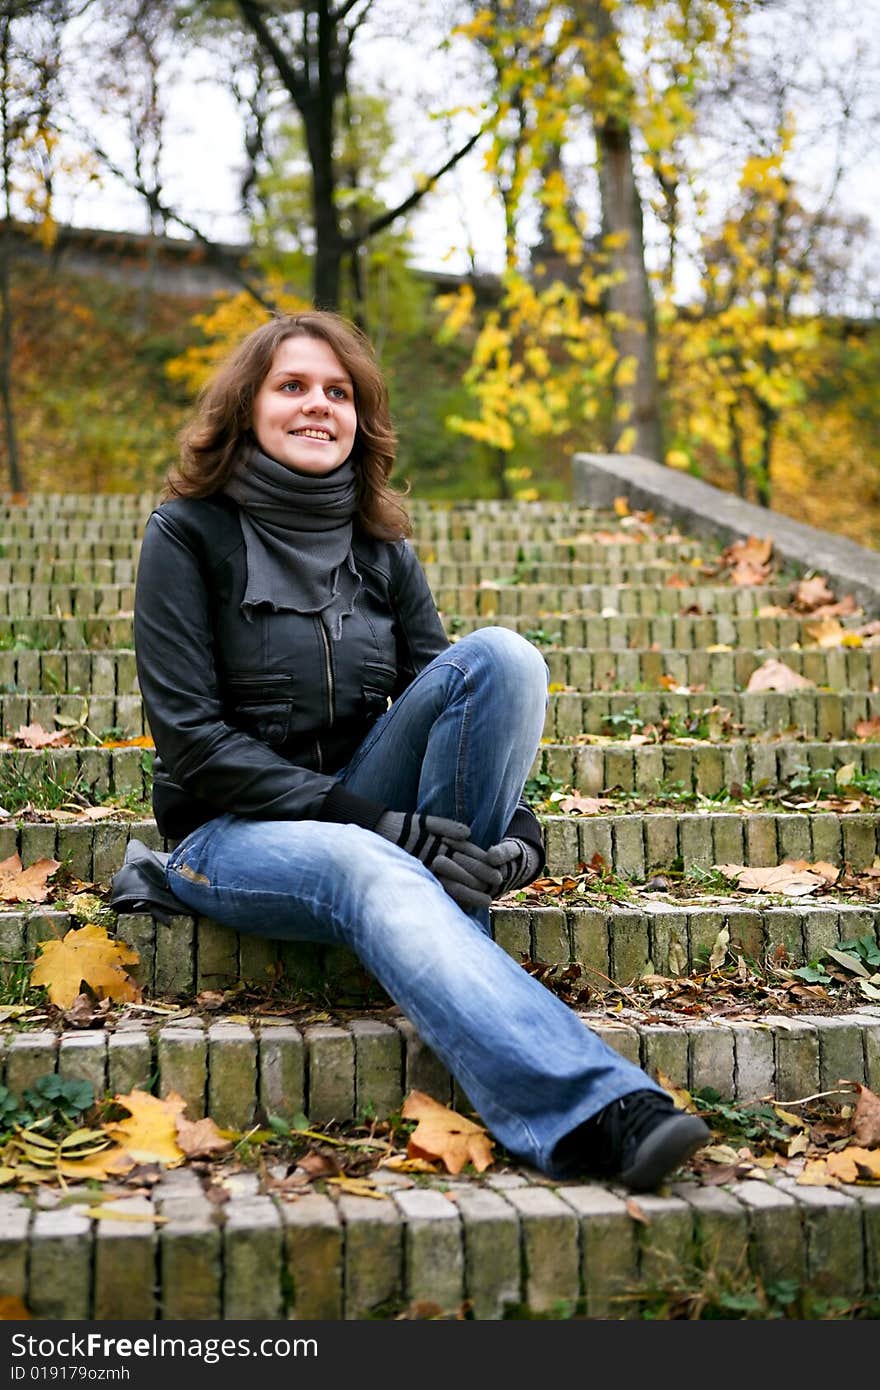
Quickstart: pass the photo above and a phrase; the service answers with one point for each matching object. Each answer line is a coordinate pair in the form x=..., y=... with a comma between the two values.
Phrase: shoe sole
x=667, y=1146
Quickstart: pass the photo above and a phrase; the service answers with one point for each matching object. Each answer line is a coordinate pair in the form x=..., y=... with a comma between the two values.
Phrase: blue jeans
x=458, y=742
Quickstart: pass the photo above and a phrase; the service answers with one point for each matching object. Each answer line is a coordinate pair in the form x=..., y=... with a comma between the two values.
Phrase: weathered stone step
x=59, y=548
x=107, y=683
x=578, y=584
x=241, y=1071
x=612, y=942
x=506, y=1246
x=73, y=600
x=67, y=572
x=644, y=769
x=571, y=664
x=634, y=844
x=704, y=768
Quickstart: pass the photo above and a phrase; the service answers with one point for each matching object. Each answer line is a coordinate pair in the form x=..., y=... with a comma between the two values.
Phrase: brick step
x=644, y=769
x=42, y=571
x=635, y=843
x=705, y=768
x=95, y=679
x=240, y=1072
x=638, y=596
x=506, y=1246
x=614, y=942
x=632, y=844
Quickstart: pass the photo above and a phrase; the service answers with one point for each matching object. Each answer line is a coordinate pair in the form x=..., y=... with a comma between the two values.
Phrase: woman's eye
x=291, y=386
x=339, y=393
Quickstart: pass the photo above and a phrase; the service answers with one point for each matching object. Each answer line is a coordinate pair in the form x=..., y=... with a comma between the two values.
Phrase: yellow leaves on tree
x=86, y=955
x=30, y=885
x=445, y=1135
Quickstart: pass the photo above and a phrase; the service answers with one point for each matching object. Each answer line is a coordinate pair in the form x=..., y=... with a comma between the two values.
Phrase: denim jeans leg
x=462, y=737
x=529, y=1066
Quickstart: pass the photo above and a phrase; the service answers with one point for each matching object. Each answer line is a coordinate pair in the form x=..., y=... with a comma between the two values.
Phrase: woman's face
x=304, y=413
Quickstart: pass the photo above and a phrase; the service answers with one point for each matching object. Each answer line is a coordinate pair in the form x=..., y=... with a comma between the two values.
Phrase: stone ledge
x=506, y=1246
x=699, y=507
x=240, y=1074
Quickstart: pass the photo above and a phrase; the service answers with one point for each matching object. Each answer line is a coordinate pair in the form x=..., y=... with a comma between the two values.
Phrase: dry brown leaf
x=319, y=1165
x=35, y=736
x=784, y=878
x=200, y=1138
x=444, y=1134
x=868, y=728
x=86, y=953
x=812, y=593
x=636, y=1211
x=775, y=675
x=18, y=885
x=866, y=1120
x=584, y=805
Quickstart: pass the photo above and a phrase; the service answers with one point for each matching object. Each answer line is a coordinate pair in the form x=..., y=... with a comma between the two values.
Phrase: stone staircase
x=642, y=631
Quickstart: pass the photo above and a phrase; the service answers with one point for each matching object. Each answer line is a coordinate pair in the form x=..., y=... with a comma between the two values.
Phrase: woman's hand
x=444, y=846
x=517, y=862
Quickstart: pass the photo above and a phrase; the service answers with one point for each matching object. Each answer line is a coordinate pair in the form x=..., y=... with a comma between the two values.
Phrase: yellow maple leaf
x=444, y=1134
x=150, y=1134
x=86, y=953
x=854, y=1164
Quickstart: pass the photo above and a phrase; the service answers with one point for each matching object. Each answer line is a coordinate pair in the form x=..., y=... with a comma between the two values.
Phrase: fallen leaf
x=775, y=675
x=318, y=1165
x=826, y=632
x=866, y=1120
x=35, y=736
x=854, y=1164
x=636, y=1211
x=150, y=1134
x=12, y=1309
x=812, y=593
x=444, y=1134
x=358, y=1187
x=584, y=805
x=107, y=1212
x=86, y=954
x=18, y=885
x=200, y=1138
x=621, y=506
x=719, y=949
x=399, y=1163
x=868, y=728
x=142, y=741
x=787, y=878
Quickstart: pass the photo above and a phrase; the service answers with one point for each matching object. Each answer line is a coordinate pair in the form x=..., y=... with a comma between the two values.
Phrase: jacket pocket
x=261, y=705
x=376, y=686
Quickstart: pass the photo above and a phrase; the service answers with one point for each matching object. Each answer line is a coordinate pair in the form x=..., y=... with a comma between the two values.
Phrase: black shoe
x=640, y=1138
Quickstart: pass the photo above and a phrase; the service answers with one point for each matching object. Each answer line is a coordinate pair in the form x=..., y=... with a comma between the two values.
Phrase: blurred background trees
x=665, y=255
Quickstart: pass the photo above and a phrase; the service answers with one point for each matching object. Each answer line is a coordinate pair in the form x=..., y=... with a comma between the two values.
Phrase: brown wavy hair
x=210, y=443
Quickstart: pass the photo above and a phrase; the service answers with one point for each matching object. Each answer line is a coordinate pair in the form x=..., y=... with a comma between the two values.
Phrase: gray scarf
x=297, y=532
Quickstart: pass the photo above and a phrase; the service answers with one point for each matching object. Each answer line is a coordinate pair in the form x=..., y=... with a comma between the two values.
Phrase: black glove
x=518, y=862
x=444, y=847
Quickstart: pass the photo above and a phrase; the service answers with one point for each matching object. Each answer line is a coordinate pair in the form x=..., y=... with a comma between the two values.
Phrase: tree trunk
x=629, y=300
x=16, y=481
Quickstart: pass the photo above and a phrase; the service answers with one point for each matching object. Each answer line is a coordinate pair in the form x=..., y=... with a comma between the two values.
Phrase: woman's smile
x=304, y=413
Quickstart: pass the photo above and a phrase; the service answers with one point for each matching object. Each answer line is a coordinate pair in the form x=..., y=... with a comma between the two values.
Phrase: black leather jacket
x=254, y=716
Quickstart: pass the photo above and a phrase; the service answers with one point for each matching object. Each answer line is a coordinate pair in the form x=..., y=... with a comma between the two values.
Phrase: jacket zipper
x=328, y=667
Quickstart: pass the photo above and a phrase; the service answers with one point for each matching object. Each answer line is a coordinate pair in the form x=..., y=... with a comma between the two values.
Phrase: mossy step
x=702, y=767
x=34, y=679
x=632, y=844
x=506, y=1245
x=643, y=769
x=613, y=941
x=572, y=664
x=241, y=1070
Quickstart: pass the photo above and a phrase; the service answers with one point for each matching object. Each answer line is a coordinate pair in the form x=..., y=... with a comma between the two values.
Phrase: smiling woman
x=332, y=769
x=304, y=413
